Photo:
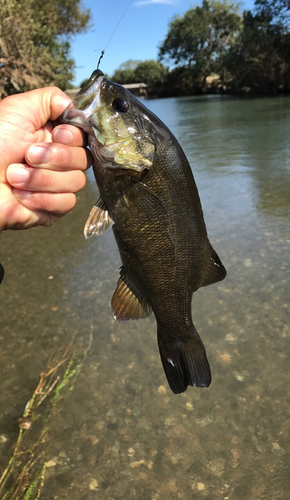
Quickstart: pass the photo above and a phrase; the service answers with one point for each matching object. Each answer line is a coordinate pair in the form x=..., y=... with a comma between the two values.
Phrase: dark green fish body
x=149, y=196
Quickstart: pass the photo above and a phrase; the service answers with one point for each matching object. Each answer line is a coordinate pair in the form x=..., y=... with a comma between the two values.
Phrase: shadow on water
x=118, y=432
x=208, y=98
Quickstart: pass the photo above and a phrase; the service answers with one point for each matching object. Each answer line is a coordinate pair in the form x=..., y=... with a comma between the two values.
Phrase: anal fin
x=127, y=302
x=216, y=271
x=98, y=221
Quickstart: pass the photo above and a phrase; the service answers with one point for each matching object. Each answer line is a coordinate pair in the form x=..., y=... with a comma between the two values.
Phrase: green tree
x=277, y=13
x=35, y=42
x=201, y=38
x=150, y=72
x=126, y=72
x=153, y=73
x=260, y=60
x=276, y=10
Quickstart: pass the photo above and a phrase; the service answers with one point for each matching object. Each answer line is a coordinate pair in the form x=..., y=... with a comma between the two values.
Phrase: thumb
x=59, y=101
x=52, y=102
x=35, y=107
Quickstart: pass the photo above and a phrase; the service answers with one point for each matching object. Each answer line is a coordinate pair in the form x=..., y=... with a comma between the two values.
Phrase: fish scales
x=165, y=268
x=149, y=196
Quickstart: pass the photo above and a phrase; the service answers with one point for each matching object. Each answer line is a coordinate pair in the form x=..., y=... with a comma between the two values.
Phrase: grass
x=24, y=475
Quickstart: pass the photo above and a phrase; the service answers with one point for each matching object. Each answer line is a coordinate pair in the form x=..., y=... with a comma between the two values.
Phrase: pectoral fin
x=98, y=221
x=143, y=198
x=127, y=302
x=216, y=271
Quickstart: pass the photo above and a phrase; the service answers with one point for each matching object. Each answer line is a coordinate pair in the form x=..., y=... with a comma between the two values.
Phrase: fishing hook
x=101, y=56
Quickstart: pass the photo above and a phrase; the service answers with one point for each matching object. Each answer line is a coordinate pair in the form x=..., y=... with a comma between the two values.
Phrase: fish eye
x=120, y=105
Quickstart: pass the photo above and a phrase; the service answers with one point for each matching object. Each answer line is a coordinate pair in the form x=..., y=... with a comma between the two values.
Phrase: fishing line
x=116, y=27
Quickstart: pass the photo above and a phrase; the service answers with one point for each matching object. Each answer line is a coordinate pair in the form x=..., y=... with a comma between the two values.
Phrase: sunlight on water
x=120, y=433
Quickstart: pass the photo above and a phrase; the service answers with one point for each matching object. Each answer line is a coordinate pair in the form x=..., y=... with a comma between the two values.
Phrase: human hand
x=41, y=165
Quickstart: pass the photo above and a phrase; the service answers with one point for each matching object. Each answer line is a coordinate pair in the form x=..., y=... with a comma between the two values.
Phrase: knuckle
x=82, y=180
x=41, y=179
x=78, y=180
x=54, y=203
x=61, y=155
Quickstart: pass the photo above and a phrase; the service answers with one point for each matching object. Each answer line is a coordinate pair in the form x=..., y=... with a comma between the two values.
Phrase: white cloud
x=150, y=2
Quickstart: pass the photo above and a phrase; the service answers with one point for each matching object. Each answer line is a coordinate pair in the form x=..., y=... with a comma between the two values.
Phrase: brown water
x=120, y=433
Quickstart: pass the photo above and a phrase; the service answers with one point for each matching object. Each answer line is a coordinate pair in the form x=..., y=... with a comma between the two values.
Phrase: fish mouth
x=89, y=96
x=109, y=151
x=119, y=154
x=103, y=141
x=84, y=102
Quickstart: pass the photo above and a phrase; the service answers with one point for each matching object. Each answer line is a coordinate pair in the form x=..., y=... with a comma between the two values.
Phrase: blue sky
x=142, y=29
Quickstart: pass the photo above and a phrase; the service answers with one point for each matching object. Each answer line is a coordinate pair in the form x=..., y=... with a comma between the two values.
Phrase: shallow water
x=120, y=433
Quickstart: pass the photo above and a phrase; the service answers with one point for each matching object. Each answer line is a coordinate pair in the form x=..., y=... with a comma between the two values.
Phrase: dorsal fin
x=216, y=271
x=127, y=302
x=98, y=221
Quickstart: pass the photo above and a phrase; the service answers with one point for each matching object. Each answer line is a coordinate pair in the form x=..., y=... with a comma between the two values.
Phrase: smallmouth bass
x=149, y=197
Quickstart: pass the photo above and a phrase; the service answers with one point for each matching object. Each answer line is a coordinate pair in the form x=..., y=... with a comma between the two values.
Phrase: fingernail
x=62, y=135
x=37, y=155
x=21, y=194
x=16, y=174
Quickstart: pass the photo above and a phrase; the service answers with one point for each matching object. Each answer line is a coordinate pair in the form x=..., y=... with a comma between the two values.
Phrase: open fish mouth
x=102, y=140
x=120, y=153
x=88, y=97
x=84, y=102
x=123, y=153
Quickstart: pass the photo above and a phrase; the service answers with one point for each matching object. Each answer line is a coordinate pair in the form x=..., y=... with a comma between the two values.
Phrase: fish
x=149, y=197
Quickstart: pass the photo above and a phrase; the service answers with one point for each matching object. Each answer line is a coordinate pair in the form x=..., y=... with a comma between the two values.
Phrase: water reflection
x=231, y=136
x=120, y=433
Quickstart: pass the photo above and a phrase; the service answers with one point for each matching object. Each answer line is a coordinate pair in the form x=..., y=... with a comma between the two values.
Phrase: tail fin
x=184, y=362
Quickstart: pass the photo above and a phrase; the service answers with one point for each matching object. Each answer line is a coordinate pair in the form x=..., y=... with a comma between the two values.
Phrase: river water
x=116, y=431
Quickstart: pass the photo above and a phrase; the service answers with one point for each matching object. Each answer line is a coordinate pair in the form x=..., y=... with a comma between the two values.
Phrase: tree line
x=35, y=43
x=211, y=48
x=216, y=48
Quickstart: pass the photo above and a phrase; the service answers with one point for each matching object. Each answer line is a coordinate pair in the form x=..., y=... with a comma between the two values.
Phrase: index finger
x=69, y=135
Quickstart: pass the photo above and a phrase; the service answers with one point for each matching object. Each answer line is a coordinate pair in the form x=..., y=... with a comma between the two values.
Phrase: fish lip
x=63, y=117
x=93, y=89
